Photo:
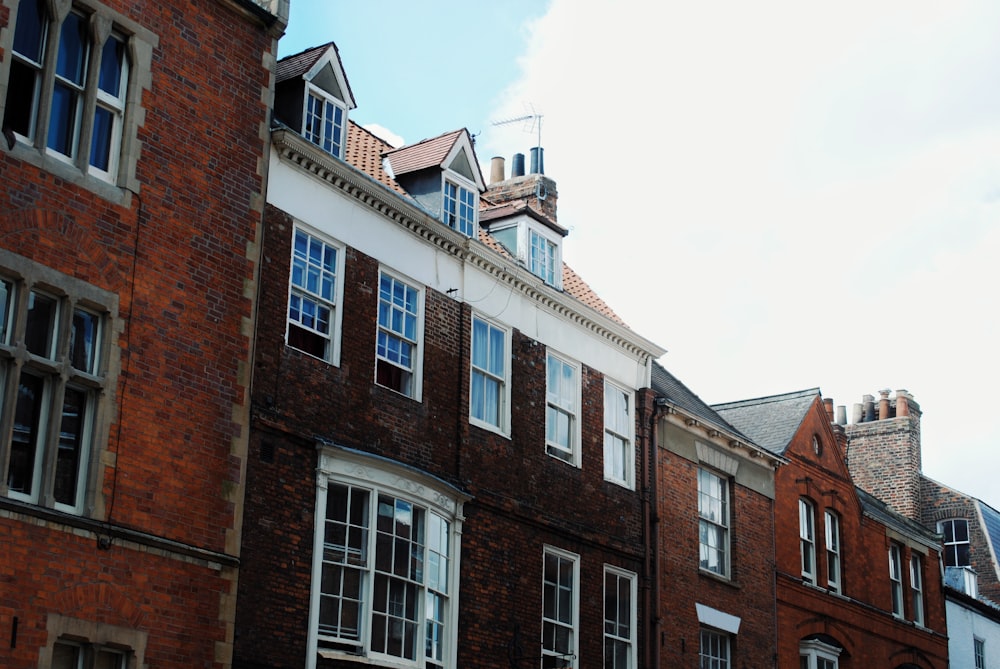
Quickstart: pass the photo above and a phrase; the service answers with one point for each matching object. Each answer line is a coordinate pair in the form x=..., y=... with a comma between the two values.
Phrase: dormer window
x=459, y=210
x=325, y=122
x=312, y=97
x=532, y=242
x=543, y=258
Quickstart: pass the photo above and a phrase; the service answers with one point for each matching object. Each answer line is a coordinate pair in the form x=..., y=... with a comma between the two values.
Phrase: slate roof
x=298, y=64
x=991, y=525
x=670, y=387
x=771, y=422
x=425, y=153
x=881, y=511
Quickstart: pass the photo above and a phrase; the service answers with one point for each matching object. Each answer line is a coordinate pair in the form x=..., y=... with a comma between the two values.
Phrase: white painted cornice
x=293, y=149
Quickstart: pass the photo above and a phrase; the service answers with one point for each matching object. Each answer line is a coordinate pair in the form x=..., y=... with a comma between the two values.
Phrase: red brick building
x=858, y=585
x=714, y=566
x=132, y=155
x=450, y=430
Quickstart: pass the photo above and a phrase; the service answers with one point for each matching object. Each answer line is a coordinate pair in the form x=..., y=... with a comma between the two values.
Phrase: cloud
x=785, y=195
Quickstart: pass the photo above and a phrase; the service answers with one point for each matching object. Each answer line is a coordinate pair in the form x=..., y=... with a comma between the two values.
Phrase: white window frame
x=818, y=655
x=330, y=105
x=100, y=24
x=831, y=521
x=557, y=402
x=615, y=434
x=620, y=633
x=951, y=545
x=39, y=465
x=502, y=426
x=807, y=539
x=551, y=623
x=714, y=649
x=546, y=265
x=896, y=579
x=979, y=652
x=331, y=353
x=453, y=205
x=390, y=331
x=917, y=587
x=378, y=476
x=713, y=520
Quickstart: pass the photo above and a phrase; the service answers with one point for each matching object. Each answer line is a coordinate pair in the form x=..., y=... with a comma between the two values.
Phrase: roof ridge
x=770, y=399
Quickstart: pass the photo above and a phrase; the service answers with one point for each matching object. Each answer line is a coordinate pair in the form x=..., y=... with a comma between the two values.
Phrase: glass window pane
x=63, y=118
x=41, y=323
x=112, y=58
x=72, y=57
x=100, y=141
x=6, y=305
x=71, y=446
x=24, y=444
x=65, y=656
x=83, y=338
x=29, y=34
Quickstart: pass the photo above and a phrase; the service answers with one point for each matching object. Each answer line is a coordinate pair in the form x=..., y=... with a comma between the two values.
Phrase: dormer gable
x=530, y=236
x=313, y=97
x=443, y=175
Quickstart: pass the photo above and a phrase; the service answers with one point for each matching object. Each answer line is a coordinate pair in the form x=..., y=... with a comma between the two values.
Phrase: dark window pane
x=29, y=34
x=112, y=57
x=62, y=122
x=40, y=326
x=24, y=444
x=70, y=446
x=100, y=142
x=72, y=58
x=83, y=341
x=6, y=303
x=22, y=95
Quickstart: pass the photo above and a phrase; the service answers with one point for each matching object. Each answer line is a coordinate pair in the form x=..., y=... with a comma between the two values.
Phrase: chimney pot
x=857, y=413
x=841, y=415
x=537, y=160
x=883, y=405
x=517, y=166
x=828, y=406
x=496, y=169
x=869, y=401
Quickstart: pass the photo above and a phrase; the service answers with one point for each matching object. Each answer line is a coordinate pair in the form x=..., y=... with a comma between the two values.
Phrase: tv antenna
x=532, y=122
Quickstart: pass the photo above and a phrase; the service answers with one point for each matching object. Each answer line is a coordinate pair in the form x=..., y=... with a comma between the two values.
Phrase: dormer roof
x=320, y=65
x=518, y=208
x=450, y=151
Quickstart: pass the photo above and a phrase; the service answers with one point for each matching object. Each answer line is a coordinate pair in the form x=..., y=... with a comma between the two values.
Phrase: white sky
x=783, y=195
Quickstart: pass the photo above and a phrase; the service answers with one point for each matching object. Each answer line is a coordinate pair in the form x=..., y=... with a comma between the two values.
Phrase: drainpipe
x=651, y=562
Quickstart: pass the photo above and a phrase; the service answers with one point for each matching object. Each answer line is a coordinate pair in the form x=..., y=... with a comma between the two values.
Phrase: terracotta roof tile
x=423, y=154
x=364, y=151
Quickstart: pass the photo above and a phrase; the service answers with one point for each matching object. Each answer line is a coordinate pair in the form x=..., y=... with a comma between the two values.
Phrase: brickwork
x=860, y=619
x=537, y=190
x=178, y=254
x=884, y=459
x=521, y=498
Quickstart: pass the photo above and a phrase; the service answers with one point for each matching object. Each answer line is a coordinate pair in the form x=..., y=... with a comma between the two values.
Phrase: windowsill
x=620, y=483
x=719, y=578
x=344, y=656
x=575, y=462
x=489, y=427
x=65, y=170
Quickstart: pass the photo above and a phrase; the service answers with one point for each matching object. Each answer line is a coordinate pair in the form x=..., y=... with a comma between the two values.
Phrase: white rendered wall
x=322, y=207
x=964, y=624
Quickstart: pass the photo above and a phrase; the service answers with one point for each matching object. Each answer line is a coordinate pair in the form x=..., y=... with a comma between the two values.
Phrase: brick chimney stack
x=883, y=451
x=536, y=189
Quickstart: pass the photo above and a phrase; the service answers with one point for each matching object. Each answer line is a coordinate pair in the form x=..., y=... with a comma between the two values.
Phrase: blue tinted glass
x=62, y=120
x=30, y=30
x=72, y=40
x=112, y=57
x=100, y=143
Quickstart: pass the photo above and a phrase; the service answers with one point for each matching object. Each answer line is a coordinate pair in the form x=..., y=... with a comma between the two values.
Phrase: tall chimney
x=496, y=169
x=828, y=406
x=883, y=405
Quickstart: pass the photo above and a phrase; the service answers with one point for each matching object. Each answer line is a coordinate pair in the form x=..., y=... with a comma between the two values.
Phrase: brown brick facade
x=151, y=561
